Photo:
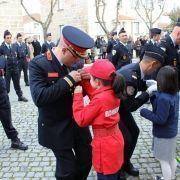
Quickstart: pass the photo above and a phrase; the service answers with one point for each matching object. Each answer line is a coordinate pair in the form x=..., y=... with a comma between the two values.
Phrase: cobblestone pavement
x=39, y=163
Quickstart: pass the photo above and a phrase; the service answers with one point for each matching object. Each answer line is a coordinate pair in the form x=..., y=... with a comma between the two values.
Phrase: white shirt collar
x=19, y=43
x=7, y=45
x=173, y=40
x=49, y=42
x=142, y=73
x=123, y=43
x=57, y=57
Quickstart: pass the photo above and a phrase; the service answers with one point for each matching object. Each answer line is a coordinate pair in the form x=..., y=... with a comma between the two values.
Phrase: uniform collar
x=152, y=40
x=173, y=40
x=123, y=43
x=59, y=60
x=49, y=42
x=8, y=45
x=19, y=43
x=142, y=73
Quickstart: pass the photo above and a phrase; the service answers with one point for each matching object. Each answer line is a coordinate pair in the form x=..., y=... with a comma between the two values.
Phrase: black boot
x=17, y=144
x=27, y=84
x=131, y=170
x=21, y=98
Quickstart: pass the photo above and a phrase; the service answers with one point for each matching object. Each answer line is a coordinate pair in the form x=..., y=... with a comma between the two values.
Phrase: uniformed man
x=171, y=45
x=134, y=74
x=5, y=111
x=22, y=54
x=52, y=83
x=155, y=35
x=111, y=42
x=48, y=44
x=121, y=55
x=9, y=52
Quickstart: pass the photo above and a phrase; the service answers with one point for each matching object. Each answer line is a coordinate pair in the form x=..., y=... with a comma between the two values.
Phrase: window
x=136, y=27
x=61, y=4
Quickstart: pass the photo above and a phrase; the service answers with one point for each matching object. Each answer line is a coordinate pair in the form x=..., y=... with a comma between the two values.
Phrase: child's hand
x=78, y=89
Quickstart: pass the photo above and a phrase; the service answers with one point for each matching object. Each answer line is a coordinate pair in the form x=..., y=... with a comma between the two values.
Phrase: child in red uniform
x=102, y=114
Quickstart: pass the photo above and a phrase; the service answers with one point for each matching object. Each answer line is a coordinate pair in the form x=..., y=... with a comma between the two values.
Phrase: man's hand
x=78, y=89
x=84, y=74
x=75, y=75
x=151, y=82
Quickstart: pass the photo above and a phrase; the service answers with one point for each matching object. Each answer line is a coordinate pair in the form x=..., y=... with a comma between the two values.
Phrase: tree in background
x=174, y=15
x=46, y=23
x=149, y=10
x=100, y=15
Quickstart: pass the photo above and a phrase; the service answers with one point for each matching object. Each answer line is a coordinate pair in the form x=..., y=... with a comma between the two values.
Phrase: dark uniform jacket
x=172, y=57
x=110, y=45
x=10, y=55
x=47, y=46
x=121, y=55
x=22, y=51
x=3, y=91
x=52, y=95
x=132, y=75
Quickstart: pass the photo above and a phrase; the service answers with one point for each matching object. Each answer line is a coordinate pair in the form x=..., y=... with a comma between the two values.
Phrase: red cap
x=101, y=68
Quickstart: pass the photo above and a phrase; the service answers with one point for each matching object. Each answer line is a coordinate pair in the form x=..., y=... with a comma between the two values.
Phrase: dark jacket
x=121, y=55
x=37, y=48
x=132, y=75
x=10, y=55
x=47, y=46
x=52, y=95
x=22, y=51
x=164, y=116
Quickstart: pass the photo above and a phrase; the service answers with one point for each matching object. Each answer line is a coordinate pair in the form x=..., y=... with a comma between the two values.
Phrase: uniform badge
x=134, y=75
x=113, y=52
x=53, y=75
x=124, y=57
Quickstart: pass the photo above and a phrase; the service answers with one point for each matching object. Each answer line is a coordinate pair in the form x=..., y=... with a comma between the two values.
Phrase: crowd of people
x=59, y=79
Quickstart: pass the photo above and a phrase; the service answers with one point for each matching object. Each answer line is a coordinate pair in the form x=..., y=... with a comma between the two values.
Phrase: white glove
x=151, y=82
x=152, y=89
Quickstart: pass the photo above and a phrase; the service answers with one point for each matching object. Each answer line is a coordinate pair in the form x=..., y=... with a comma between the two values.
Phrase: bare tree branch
x=162, y=9
x=44, y=24
x=33, y=18
x=100, y=15
x=117, y=15
x=147, y=16
x=137, y=11
x=97, y=4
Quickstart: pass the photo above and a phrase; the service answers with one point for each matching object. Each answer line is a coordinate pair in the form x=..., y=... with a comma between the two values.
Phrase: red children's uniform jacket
x=102, y=114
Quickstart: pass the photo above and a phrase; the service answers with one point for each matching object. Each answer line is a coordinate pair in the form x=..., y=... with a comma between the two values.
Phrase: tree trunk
x=44, y=32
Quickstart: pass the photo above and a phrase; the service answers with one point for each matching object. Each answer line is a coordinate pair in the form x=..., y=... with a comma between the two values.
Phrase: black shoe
x=122, y=175
x=131, y=170
x=17, y=144
x=22, y=99
x=27, y=84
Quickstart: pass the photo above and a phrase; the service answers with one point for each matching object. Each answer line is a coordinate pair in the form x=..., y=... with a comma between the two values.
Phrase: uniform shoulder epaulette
x=134, y=75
